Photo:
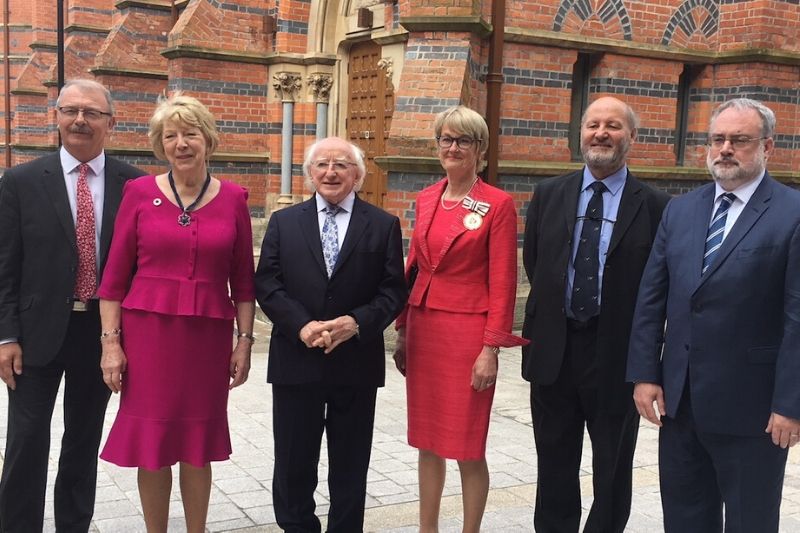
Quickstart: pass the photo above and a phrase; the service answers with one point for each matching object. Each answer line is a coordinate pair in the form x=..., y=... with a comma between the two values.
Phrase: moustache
x=80, y=129
x=729, y=160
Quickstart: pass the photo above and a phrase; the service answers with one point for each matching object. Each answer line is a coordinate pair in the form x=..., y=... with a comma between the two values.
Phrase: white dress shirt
x=97, y=186
x=342, y=218
x=743, y=195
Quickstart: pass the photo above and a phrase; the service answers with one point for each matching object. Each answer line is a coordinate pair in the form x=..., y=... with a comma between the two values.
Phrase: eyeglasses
x=461, y=142
x=88, y=114
x=322, y=165
x=737, y=141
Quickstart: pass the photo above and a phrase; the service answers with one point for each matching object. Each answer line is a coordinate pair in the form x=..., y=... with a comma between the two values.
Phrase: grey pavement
x=241, y=497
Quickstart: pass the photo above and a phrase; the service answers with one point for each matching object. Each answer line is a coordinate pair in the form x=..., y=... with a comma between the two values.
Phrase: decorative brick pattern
x=693, y=16
x=582, y=10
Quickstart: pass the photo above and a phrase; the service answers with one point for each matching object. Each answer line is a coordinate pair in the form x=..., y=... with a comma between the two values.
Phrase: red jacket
x=476, y=271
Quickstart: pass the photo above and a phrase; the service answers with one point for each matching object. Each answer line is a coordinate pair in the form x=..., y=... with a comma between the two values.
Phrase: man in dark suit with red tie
x=723, y=379
x=587, y=237
x=330, y=278
x=56, y=219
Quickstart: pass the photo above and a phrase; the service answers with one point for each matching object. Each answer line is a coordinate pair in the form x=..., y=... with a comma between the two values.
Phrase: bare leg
x=475, y=488
x=195, y=493
x=431, y=483
x=155, y=487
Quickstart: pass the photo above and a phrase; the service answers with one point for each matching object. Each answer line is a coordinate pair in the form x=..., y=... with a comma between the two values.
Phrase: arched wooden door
x=369, y=113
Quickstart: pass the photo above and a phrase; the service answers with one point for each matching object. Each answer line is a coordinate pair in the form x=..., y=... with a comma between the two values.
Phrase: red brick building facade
x=278, y=72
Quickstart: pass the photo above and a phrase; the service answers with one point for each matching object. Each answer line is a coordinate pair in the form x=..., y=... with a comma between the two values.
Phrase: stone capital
x=287, y=85
x=320, y=84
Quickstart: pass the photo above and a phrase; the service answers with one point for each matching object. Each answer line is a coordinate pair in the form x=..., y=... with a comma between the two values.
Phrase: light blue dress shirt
x=611, y=199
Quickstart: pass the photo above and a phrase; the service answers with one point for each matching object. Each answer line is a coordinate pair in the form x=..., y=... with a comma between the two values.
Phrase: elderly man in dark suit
x=723, y=275
x=56, y=218
x=330, y=278
x=587, y=237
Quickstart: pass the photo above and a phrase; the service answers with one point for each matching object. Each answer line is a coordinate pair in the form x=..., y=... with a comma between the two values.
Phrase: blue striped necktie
x=716, y=230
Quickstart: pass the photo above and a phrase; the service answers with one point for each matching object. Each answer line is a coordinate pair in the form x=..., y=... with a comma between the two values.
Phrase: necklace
x=457, y=202
x=184, y=219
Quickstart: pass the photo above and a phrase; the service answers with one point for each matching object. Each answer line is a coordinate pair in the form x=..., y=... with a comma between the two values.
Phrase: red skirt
x=174, y=393
x=445, y=414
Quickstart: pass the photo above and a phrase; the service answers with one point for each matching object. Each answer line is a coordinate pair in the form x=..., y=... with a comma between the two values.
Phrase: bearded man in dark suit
x=723, y=380
x=587, y=238
x=56, y=219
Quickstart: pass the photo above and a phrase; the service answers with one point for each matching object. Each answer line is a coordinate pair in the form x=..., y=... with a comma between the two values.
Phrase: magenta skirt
x=174, y=399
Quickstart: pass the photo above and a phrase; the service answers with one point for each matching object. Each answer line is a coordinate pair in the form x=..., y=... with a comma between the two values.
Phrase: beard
x=606, y=160
x=736, y=172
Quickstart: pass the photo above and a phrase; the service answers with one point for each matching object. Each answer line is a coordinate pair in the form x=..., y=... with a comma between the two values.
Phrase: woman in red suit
x=463, y=263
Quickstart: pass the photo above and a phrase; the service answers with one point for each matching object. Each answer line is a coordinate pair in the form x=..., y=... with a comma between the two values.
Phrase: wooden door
x=369, y=114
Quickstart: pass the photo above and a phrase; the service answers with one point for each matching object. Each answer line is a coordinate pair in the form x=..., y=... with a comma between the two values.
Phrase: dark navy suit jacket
x=292, y=287
x=733, y=332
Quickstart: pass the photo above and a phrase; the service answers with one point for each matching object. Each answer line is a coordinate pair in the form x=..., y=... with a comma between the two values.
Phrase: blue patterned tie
x=330, y=238
x=716, y=230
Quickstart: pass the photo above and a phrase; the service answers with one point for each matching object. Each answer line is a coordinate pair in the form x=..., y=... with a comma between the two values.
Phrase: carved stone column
x=287, y=85
x=320, y=84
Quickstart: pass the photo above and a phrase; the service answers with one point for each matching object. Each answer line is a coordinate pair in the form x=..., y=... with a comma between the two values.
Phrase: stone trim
x=653, y=51
x=129, y=72
x=470, y=24
x=269, y=58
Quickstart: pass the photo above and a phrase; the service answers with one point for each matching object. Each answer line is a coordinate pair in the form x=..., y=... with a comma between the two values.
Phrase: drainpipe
x=60, y=43
x=7, y=75
x=494, y=83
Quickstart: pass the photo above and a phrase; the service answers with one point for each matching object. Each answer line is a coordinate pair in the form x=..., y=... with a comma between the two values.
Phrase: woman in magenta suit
x=463, y=262
x=181, y=240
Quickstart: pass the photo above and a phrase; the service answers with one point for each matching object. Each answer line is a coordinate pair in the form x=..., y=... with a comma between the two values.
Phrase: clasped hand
x=328, y=334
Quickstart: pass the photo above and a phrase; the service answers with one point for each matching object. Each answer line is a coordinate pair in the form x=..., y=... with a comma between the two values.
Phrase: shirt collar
x=743, y=192
x=345, y=205
x=70, y=164
x=613, y=182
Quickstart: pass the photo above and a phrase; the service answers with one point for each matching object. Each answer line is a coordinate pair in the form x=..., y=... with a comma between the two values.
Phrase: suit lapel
x=629, y=206
x=699, y=230
x=53, y=183
x=571, y=190
x=111, y=201
x=426, y=207
x=756, y=207
x=309, y=226
x=457, y=226
x=355, y=229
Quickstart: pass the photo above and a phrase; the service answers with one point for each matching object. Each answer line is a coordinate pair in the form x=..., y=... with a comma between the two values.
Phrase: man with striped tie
x=723, y=275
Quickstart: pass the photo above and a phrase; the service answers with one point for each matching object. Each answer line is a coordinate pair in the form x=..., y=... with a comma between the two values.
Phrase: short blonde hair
x=464, y=121
x=184, y=109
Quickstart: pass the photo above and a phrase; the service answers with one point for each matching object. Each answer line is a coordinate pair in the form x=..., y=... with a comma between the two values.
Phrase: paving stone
x=241, y=494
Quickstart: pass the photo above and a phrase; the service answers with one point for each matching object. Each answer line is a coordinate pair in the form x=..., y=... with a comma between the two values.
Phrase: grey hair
x=358, y=159
x=743, y=104
x=86, y=84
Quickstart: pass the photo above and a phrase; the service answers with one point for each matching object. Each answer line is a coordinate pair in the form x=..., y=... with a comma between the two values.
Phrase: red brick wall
x=440, y=68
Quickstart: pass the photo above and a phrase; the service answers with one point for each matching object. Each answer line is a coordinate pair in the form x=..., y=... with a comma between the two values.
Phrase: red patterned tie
x=85, y=231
